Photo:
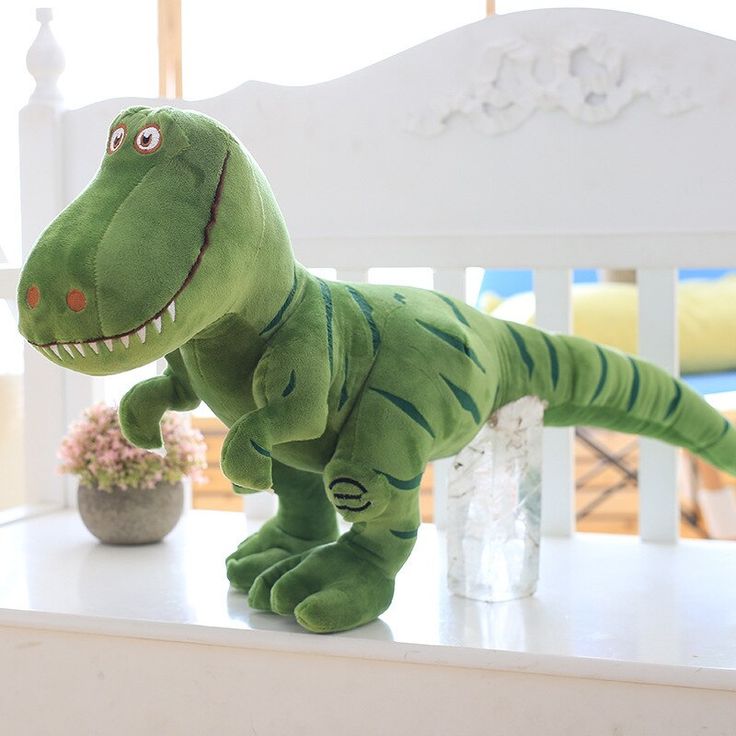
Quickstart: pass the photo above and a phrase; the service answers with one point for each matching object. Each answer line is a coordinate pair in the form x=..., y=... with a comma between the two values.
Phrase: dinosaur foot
x=327, y=589
x=268, y=546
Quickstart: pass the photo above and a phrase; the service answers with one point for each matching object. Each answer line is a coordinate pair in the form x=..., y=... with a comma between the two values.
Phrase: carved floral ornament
x=585, y=77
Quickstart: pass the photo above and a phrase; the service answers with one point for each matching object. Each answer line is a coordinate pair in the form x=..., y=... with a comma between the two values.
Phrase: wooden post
x=659, y=507
x=44, y=418
x=169, y=48
x=449, y=281
x=490, y=7
x=52, y=398
x=553, y=293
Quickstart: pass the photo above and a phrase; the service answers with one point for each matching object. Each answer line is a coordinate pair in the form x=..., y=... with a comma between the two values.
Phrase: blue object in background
x=509, y=281
x=711, y=383
x=688, y=274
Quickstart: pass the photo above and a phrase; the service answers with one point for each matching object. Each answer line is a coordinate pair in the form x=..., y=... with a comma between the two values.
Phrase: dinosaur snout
x=55, y=305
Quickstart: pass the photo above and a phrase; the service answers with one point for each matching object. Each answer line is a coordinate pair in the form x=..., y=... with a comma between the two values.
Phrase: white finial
x=45, y=61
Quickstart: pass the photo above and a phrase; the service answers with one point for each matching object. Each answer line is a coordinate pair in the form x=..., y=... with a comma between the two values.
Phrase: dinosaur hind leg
x=305, y=519
x=372, y=480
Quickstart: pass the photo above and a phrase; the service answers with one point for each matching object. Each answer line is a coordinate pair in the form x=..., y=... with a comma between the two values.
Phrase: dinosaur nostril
x=33, y=296
x=76, y=301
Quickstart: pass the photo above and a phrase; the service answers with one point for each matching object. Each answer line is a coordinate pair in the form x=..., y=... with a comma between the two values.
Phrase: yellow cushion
x=489, y=300
x=608, y=313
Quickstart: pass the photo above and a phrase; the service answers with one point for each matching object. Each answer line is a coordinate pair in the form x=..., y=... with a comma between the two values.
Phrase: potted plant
x=128, y=495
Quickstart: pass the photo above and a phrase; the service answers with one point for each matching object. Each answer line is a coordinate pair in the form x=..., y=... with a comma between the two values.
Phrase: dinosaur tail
x=588, y=384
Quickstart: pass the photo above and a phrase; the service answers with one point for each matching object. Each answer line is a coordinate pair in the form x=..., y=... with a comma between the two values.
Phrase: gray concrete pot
x=133, y=516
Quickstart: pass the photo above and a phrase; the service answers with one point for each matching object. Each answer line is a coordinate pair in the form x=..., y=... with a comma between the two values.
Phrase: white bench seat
x=620, y=634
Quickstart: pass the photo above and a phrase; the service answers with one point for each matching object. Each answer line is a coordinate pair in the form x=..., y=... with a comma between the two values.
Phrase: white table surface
x=607, y=607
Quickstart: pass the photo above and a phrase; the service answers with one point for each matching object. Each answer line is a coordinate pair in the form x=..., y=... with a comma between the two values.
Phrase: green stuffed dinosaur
x=336, y=395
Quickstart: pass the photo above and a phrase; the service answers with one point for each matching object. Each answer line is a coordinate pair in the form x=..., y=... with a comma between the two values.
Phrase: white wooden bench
x=549, y=140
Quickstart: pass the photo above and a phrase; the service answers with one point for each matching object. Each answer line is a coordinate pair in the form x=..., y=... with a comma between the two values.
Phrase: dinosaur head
x=162, y=243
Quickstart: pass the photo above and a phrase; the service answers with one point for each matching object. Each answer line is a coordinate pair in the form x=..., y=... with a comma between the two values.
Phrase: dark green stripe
x=453, y=341
x=260, y=450
x=604, y=374
x=634, y=385
x=554, y=363
x=407, y=407
x=284, y=307
x=402, y=485
x=344, y=389
x=290, y=386
x=327, y=298
x=399, y=297
x=453, y=306
x=705, y=448
x=676, y=401
x=726, y=427
x=367, y=311
x=525, y=356
x=464, y=399
x=405, y=535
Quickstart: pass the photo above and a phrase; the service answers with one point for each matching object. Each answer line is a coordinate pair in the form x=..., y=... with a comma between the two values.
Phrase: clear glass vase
x=495, y=506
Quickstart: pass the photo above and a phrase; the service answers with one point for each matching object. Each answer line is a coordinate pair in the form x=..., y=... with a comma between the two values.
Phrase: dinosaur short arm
x=143, y=406
x=291, y=390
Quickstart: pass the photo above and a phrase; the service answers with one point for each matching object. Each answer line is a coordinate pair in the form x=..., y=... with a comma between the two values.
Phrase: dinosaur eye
x=116, y=138
x=148, y=140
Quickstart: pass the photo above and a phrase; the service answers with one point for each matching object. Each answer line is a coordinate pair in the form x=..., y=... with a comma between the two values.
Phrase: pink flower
x=96, y=451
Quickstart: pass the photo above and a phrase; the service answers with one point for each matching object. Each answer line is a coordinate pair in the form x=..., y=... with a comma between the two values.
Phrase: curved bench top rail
x=574, y=136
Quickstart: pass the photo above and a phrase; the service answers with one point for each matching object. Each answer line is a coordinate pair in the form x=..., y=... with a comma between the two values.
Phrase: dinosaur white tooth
x=94, y=347
x=80, y=348
x=108, y=344
x=55, y=350
x=172, y=311
x=157, y=324
x=125, y=339
x=68, y=349
x=142, y=333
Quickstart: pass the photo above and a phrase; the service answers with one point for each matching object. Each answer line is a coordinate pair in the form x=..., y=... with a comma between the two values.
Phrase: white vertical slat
x=659, y=513
x=354, y=276
x=44, y=395
x=260, y=506
x=80, y=391
x=552, y=289
x=8, y=281
x=450, y=281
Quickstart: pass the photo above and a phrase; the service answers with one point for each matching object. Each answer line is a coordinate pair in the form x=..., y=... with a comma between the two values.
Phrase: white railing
x=47, y=184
